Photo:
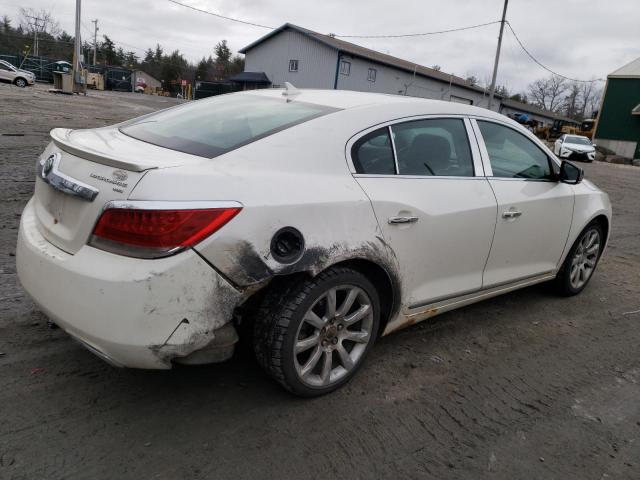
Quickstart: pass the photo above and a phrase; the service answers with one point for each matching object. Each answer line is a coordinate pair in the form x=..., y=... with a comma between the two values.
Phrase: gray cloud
x=576, y=38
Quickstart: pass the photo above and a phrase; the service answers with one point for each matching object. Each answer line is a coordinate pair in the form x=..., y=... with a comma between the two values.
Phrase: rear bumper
x=131, y=312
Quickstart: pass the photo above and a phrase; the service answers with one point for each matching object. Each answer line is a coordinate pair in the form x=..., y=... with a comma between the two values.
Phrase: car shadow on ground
x=242, y=379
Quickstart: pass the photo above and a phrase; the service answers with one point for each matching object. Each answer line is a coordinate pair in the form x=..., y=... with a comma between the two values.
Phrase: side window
x=512, y=155
x=373, y=153
x=293, y=65
x=371, y=75
x=433, y=147
x=345, y=67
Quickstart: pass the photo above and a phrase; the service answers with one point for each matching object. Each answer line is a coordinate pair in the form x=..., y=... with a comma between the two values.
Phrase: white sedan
x=309, y=222
x=575, y=147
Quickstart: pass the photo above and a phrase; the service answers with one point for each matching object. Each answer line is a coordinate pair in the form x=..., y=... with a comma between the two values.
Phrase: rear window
x=211, y=127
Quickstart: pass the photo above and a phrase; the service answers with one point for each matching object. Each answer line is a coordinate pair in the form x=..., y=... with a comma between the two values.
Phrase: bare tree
x=472, y=80
x=549, y=92
x=557, y=88
x=589, y=98
x=594, y=102
x=38, y=21
x=539, y=92
x=572, y=101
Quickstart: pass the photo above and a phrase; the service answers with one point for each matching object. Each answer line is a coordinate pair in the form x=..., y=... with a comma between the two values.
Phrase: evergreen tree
x=201, y=70
x=158, y=53
x=108, y=51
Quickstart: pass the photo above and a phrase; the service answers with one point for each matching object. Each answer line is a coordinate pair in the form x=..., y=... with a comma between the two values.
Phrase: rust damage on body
x=406, y=321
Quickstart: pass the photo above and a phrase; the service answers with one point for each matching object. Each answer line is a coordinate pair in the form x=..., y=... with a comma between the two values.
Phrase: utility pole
x=77, y=53
x=95, y=39
x=495, y=64
x=38, y=23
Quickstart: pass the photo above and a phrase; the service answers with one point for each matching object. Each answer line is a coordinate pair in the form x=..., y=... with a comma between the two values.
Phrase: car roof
x=347, y=99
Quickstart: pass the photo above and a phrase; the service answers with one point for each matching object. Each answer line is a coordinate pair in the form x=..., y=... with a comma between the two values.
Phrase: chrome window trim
x=411, y=177
x=393, y=150
x=170, y=204
x=475, y=154
x=484, y=154
x=49, y=173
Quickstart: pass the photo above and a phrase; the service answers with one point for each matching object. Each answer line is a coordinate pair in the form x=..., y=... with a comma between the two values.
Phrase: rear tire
x=312, y=336
x=580, y=264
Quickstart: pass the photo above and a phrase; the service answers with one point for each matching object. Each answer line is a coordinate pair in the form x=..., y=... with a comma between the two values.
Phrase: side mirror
x=571, y=174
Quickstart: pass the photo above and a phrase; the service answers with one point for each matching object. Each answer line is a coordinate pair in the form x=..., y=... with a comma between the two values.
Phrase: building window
x=345, y=67
x=293, y=65
x=371, y=75
x=455, y=99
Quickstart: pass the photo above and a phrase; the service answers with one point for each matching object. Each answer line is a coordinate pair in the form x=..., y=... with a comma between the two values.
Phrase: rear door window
x=214, y=126
x=373, y=153
x=433, y=147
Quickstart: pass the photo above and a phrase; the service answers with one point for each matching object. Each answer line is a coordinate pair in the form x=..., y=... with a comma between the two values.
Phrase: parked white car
x=20, y=78
x=311, y=221
x=575, y=147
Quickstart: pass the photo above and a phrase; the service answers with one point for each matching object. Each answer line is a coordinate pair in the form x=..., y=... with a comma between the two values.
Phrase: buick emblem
x=119, y=175
x=48, y=165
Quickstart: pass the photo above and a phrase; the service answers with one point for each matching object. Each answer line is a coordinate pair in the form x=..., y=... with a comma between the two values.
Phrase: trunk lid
x=89, y=168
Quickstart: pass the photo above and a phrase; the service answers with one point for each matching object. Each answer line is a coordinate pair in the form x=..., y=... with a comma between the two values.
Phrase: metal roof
x=528, y=108
x=630, y=70
x=250, y=77
x=373, y=55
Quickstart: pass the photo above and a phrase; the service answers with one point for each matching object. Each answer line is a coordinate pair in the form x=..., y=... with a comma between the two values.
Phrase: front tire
x=312, y=336
x=20, y=82
x=581, y=262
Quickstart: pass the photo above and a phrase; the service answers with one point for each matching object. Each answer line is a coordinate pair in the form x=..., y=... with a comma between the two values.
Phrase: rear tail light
x=147, y=230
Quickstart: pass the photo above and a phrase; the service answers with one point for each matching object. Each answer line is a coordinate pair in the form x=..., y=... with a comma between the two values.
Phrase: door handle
x=399, y=220
x=511, y=214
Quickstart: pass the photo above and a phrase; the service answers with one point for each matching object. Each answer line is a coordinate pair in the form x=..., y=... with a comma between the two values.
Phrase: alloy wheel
x=333, y=335
x=584, y=258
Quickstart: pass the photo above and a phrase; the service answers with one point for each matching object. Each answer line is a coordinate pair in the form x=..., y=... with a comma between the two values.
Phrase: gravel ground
x=527, y=385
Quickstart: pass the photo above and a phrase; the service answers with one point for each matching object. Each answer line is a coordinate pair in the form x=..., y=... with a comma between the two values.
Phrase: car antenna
x=290, y=91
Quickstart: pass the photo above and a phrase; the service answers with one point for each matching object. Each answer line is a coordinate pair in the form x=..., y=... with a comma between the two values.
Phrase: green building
x=618, y=126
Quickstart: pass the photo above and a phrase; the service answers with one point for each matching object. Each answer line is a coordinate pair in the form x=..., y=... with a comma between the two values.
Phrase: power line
x=222, y=16
x=530, y=55
x=422, y=34
x=402, y=35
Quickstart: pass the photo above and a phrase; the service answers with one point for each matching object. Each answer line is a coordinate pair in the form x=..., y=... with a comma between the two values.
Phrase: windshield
x=8, y=66
x=214, y=126
x=578, y=140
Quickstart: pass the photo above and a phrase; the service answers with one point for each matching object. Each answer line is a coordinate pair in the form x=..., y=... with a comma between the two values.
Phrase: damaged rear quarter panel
x=296, y=178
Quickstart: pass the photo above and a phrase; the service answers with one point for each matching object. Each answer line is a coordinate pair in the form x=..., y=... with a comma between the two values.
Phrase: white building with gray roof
x=308, y=59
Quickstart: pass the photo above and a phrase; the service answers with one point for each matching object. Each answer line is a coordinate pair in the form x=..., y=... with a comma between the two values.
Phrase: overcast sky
x=578, y=38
